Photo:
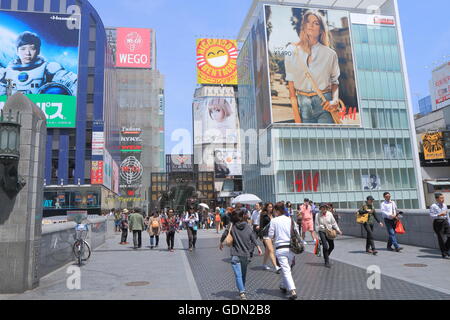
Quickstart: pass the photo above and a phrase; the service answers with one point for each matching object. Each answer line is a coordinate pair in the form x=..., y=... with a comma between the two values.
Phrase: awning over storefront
x=439, y=183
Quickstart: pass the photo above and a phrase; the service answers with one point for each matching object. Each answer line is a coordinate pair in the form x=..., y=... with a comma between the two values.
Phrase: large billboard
x=39, y=57
x=433, y=146
x=312, y=72
x=179, y=163
x=217, y=61
x=133, y=48
x=227, y=163
x=441, y=85
x=215, y=120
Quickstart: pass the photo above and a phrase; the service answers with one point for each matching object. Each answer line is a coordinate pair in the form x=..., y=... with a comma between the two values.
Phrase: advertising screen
x=433, y=146
x=227, y=163
x=217, y=61
x=97, y=172
x=107, y=170
x=215, y=120
x=133, y=48
x=115, y=178
x=39, y=57
x=312, y=72
x=179, y=163
x=441, y=85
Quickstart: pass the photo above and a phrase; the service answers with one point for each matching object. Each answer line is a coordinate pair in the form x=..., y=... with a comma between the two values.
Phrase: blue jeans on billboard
x=390, y=226
x=311, y=109
x=239, y=265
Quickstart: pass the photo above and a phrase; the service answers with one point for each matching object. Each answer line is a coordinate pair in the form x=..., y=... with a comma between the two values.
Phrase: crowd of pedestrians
x=278, y=228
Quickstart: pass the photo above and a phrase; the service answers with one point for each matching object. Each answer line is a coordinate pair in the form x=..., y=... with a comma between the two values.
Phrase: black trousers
x=441, y=227
x=170, y=238
x=124, y=235
x=152, y=239
x=137, y=238
x=327, y=246
x=370, y=243
x=192, y=235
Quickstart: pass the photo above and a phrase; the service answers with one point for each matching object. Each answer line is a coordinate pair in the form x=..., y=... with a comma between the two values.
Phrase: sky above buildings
x=178, y=23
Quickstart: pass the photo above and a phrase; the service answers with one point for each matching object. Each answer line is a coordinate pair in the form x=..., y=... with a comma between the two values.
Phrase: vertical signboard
x=131, y=168
x=107, y=170
x=133, y=48
x=97, y=172
x=39, y=56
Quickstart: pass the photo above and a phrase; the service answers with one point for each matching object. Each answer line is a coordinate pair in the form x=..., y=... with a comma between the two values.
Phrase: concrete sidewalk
x=112, y=270
x=433, y=272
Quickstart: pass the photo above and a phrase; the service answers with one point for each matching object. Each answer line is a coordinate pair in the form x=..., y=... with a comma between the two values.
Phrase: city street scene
x=220, y=151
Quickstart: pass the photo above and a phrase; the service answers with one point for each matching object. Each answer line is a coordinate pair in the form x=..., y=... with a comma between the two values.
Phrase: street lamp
x=10, y=181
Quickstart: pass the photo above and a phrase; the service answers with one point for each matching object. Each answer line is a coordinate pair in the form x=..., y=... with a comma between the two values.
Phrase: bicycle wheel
x=87, y=251
x=77, y=251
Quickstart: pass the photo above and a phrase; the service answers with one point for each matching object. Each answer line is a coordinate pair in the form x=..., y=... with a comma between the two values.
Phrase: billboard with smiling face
x=39, y=58
x=217, y=61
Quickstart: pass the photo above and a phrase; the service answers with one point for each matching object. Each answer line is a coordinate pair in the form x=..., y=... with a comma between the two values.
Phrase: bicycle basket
x=81, y=231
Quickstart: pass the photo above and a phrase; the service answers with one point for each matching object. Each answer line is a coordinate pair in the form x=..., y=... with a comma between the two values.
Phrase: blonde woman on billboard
x=221, y=116
x=313, y=65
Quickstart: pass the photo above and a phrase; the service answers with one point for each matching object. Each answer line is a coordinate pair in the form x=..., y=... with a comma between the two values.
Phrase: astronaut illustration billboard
x=39, y=58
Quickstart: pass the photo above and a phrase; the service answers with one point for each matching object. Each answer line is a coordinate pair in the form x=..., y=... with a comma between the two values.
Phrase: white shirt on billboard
x=324, y=67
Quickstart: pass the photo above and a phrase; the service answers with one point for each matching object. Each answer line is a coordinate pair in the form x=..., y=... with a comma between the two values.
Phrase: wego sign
x=133, y=48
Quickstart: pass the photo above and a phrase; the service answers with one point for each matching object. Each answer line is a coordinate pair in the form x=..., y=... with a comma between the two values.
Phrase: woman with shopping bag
x=366, y=216
x=328, y=229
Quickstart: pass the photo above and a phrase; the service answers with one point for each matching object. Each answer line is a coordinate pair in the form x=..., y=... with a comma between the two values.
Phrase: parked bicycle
x=81, y=249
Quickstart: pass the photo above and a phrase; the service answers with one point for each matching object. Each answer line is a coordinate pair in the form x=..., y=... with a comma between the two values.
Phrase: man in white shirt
x=280, y=231
x=390, y=215
x=439, y=214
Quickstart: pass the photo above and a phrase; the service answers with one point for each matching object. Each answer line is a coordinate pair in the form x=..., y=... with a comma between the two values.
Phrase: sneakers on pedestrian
x=293, y=295
x=327, y=265
x=374, y=252
x=243, y=296
x=171, y=250
x=390, y=249
x=278, y=270
x=190, y=249
x=446, y=257
x=398, y=249
x=266, y=267
x=369, y=251
x=284, y=290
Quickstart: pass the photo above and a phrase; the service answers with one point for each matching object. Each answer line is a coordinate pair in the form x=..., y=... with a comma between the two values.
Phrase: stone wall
x=418, y=225
x=58, y=239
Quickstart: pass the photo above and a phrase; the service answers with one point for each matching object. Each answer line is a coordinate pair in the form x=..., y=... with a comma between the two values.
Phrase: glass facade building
x=332, y=164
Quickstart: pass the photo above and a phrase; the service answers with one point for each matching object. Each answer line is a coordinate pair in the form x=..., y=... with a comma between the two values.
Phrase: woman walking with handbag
x=240, y=237
x=154, y=230
x=327, y=228
x=367, y=218
x=264, y=223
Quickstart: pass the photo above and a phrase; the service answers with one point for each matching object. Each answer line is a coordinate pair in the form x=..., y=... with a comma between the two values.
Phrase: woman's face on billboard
x=313, y=27
x=217, y=114
x=27, y=53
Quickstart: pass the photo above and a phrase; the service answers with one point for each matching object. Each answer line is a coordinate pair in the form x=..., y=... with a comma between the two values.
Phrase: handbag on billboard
x=342, y=107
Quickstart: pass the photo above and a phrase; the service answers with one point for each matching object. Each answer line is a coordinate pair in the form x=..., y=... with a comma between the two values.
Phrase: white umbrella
x=250, y=199
x=204, y=206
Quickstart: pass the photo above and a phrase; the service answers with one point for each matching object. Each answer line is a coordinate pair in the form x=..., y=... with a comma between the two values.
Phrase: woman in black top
x=368, y=208
x=244, y=241
x=264, y=222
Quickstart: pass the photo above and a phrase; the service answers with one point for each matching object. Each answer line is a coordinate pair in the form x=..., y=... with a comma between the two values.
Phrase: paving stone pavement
x=206, y=274
x=215, y=280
